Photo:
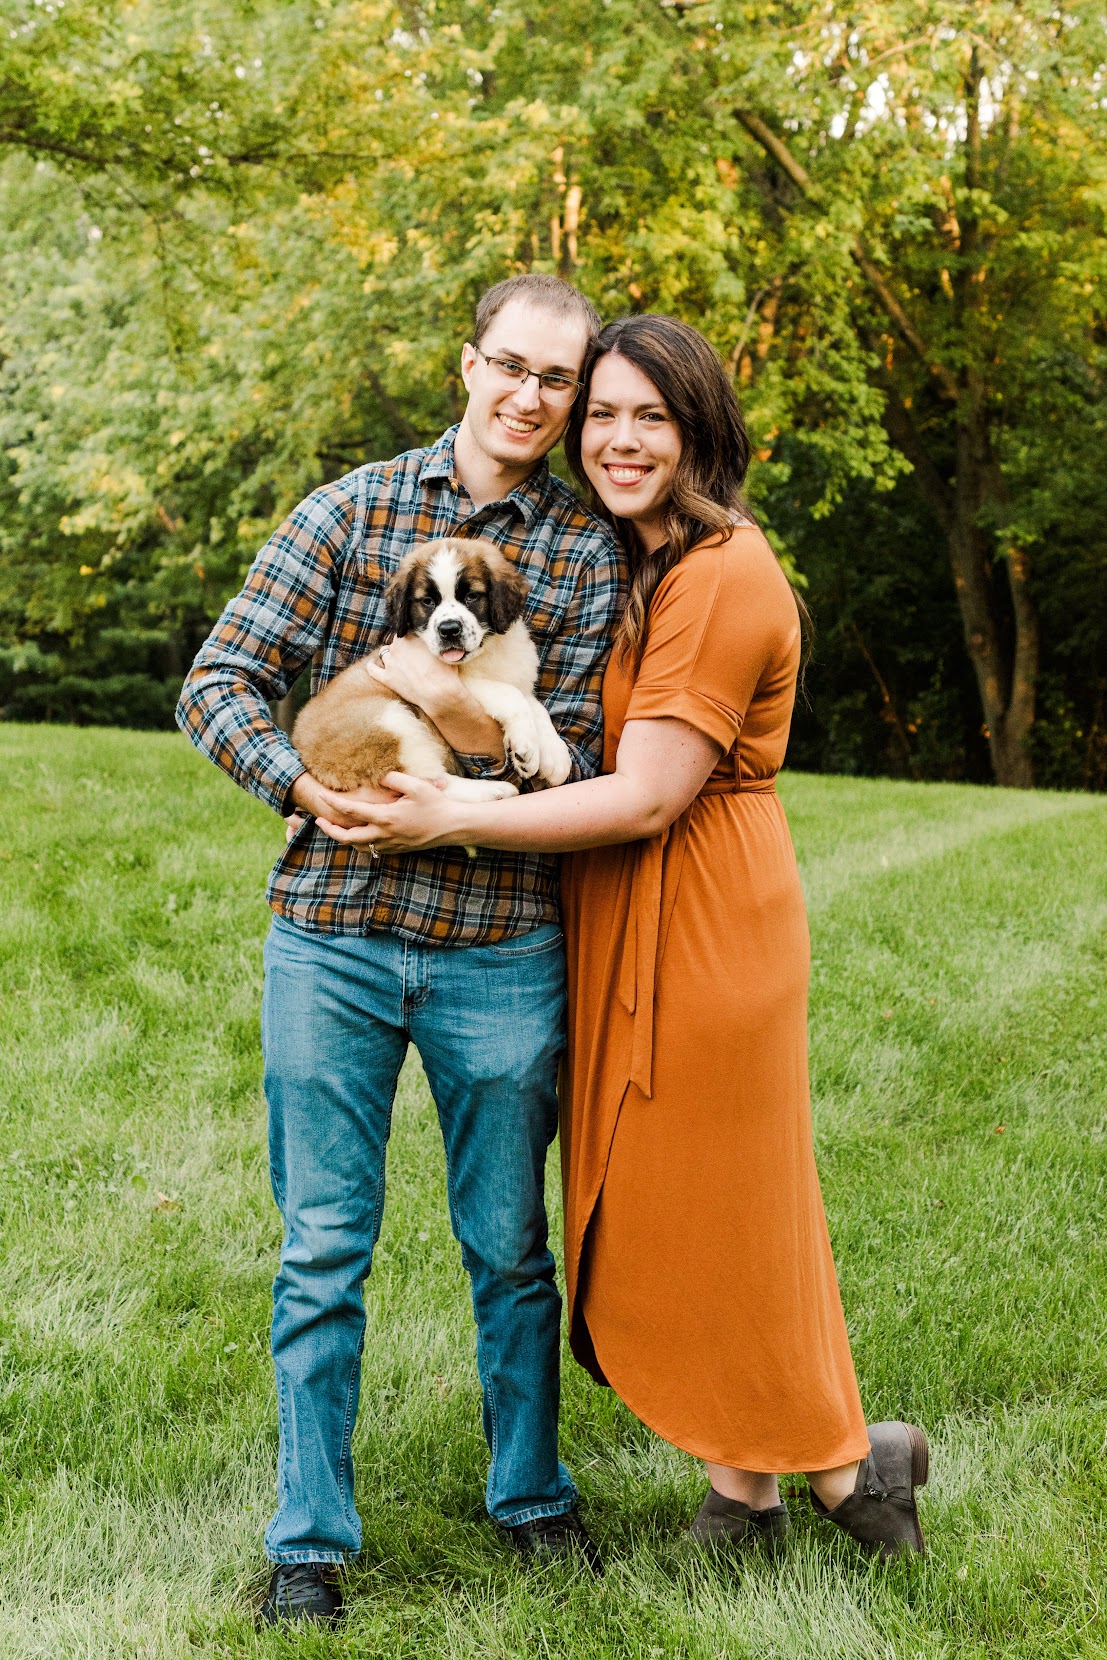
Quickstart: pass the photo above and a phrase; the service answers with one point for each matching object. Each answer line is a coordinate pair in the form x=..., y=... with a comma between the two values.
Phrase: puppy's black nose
x=449, y=629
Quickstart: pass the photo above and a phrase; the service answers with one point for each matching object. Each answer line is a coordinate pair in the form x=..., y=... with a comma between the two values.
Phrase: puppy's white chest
x=510, y=657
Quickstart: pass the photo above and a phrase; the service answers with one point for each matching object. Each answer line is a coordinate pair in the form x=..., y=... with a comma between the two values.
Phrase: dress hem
x=773, y=1466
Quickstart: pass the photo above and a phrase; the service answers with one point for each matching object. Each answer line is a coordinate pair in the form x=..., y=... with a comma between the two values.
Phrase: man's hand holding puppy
x=360, y=822
x=414, y=673
x=330, y=807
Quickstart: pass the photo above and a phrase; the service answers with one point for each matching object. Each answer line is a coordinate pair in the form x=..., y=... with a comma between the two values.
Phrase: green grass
x=958, y=986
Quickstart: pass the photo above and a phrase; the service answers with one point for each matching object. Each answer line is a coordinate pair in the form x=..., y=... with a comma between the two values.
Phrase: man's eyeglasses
x=556, y=388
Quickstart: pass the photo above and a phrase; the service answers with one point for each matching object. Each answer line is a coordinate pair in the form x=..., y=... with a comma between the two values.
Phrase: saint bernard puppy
x=465, y=602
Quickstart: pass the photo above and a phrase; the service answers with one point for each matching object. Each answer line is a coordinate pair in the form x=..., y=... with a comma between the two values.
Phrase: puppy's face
x=454, y=595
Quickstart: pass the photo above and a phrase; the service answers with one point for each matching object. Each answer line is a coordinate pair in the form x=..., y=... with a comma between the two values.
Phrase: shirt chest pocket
x=360, y=620
x=545, y=614
x=374, y=565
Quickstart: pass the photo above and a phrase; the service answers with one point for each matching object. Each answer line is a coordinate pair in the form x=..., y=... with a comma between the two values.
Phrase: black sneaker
x=550, y=1539
x=302, y=1591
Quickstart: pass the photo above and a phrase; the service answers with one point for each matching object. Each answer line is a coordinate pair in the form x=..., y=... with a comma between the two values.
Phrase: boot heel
x=920, y=1456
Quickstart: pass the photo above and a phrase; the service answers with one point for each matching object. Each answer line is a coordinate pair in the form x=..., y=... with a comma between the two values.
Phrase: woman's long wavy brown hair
x=706, y=497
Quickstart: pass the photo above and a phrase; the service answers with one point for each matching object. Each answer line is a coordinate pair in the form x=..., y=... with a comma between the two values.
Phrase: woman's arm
x=660, y=769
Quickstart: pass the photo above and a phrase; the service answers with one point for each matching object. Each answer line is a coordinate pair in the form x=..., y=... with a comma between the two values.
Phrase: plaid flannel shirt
x=317, y=587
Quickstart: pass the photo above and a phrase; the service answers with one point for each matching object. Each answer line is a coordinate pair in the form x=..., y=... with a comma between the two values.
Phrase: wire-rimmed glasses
x=555, y=387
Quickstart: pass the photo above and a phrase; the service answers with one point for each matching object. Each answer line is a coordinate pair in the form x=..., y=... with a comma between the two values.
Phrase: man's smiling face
x=511, y=422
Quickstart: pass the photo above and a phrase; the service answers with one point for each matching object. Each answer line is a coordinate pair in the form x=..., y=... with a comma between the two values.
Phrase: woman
x=699, y=1274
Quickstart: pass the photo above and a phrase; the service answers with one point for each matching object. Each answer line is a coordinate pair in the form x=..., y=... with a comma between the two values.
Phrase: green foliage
x=242, y=240
x=140, y=1237
x=881, y=698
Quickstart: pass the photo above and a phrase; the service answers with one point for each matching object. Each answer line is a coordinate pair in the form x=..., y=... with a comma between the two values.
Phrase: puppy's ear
x=507, y=595
x=397, y=597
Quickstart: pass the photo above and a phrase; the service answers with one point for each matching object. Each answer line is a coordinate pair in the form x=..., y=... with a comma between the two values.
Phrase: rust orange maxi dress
x=698, y=1267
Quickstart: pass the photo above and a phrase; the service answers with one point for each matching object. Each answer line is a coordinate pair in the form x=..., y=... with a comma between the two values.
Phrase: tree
x=887, y=217
x=954, y=154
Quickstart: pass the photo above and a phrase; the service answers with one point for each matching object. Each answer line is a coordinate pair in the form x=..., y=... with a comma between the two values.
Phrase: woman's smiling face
x=630, y=446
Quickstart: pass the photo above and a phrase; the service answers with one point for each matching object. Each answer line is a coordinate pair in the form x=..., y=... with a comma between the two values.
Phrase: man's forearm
x=227, y=717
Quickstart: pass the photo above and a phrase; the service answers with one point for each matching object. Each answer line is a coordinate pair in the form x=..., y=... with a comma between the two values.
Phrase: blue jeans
x=488, y=1022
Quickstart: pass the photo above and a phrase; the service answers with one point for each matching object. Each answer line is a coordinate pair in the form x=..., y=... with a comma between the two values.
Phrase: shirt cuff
x=269, y=769
x=485, y=766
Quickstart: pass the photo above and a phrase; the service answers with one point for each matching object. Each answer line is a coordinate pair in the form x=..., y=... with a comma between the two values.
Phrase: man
x=461, y=956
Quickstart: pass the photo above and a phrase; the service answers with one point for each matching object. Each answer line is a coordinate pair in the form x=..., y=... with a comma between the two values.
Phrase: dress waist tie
x=656, y=882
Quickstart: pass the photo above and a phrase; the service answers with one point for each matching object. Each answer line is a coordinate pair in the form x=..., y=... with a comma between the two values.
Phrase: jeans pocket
x=548, y=937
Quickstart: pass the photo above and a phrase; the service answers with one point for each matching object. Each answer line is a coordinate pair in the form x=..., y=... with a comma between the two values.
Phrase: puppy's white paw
x=478, y=789
x=523, y=749
x=555, y=763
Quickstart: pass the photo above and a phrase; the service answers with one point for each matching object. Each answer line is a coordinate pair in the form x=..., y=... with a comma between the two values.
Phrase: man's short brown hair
x=539, y=289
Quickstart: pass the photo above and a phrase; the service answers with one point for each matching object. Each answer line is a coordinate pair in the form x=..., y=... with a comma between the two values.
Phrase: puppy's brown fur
x=338, y=733
x=355, y=731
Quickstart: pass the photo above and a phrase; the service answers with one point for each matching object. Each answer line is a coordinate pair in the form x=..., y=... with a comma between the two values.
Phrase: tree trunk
x=970, y=560
x=1006, y=681
x=1014, y=735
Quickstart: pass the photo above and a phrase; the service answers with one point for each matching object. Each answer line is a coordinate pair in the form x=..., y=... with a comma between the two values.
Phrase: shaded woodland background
x=240, y=243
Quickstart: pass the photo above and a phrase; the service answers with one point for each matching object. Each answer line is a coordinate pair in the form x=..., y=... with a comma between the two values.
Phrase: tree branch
x=891, y=713
x=905, y=436
x=800, y=177
x=132, y=155
x=778, y=150
x=740, y=344
x=903, y=323
x=900, y=46
x=401, y=422
x=54, y=147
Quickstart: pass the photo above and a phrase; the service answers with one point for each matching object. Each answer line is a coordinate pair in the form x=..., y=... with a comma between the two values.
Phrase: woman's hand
x=419, y=816
x=330, y=808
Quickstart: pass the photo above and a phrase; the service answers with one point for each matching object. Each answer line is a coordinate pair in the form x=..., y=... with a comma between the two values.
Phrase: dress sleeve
x=719, y=621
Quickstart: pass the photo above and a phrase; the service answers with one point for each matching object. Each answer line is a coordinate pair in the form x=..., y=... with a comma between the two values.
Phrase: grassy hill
x=959, y=1051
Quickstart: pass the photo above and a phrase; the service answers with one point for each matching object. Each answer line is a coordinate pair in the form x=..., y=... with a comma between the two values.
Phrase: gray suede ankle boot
x=731, y=1525
x=880, y=1513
